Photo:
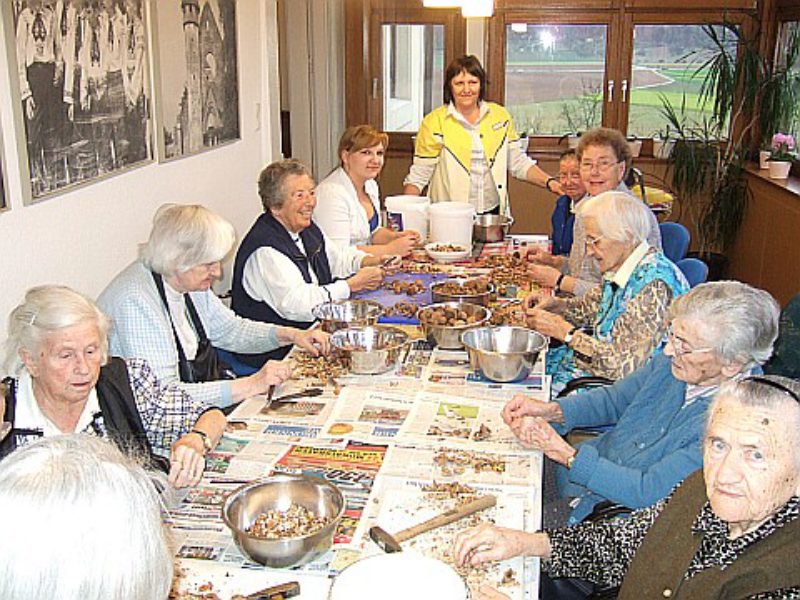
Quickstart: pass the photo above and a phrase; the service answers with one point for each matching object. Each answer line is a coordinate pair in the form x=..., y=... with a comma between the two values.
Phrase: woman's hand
x=523, y=406
x=547, y=323
x=535, y=255
x=273, y=372
x=367, y=278
x=543, y=275
x=187, y=461
x=488, y=543
x=538, y=434
x=313, y=341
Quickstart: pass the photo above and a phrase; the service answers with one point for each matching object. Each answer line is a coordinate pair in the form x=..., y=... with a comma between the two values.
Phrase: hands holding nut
x=367, y=278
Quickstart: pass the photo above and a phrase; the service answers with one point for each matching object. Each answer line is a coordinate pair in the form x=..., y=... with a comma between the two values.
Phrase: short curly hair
x=272, y=179
x=605, y=136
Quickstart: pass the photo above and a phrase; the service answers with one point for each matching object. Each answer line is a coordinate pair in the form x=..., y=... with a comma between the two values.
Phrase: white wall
x=83, y=238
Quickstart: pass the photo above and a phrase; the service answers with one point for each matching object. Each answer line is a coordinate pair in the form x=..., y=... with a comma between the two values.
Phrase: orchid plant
x=782, y=147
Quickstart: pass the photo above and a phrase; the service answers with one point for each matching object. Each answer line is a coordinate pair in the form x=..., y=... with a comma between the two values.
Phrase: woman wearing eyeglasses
x=285, y=265
x=603, y=159
x=718, y=331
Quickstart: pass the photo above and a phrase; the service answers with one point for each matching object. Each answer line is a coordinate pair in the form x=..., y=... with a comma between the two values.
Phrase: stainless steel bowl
x=491, y=228
x=277, y=493
x=438, y=295
x=370, y=350
x=334, y=316
x=503, y=353
x=449, y=337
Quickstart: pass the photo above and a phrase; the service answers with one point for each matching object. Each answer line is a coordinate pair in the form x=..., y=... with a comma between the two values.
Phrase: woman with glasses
x=164, y=310
x=718, y=331
x=603, y=159
x=465, y=148
x=285, y=265
x=620, y=324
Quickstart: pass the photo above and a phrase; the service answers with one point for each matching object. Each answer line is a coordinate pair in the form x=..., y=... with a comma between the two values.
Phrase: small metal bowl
x=437, y=295
x=334, y=316
x=370, y=350
x=491, y=228
x=277, y=493
x=449, y=337
x=503, y=354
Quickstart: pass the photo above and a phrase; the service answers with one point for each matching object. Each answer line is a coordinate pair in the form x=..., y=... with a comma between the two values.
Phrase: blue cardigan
x=655, y=443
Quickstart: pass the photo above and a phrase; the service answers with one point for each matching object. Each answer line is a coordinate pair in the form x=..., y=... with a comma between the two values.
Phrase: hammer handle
x=451, y=516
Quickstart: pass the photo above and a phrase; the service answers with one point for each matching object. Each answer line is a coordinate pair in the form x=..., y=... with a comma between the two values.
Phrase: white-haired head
x=46, y=309
x=619, y=216
x=80, y=522
x=185, y=236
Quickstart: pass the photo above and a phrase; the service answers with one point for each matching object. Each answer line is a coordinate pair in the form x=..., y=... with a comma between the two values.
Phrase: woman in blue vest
x=621, y=323
x=285, y=265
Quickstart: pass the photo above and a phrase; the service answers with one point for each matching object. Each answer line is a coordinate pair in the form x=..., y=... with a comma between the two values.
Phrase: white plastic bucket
x=398, y=576
x=408, y=213
x=451, y=223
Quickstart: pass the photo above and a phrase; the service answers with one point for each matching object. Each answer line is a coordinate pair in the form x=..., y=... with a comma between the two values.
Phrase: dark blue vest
x=267, y=232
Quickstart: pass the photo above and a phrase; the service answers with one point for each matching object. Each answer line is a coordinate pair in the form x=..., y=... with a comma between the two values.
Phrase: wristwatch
x=207, y=444
x=570, y=335
x=571, y=460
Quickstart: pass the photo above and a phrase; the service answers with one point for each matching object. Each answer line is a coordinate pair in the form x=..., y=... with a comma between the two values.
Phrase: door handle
x=610, y=90
x=624, y=90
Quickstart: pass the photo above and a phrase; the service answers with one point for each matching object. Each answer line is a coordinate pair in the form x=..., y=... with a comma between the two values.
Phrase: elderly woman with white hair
x=81, y=521
x=64, y=382
x=617, y=326
x=718, y=331
x=164, y=310
x=731, y=530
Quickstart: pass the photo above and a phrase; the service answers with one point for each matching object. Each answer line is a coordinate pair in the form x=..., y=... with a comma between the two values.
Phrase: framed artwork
x=197, y=76
x=83, y=88
x=3, y=200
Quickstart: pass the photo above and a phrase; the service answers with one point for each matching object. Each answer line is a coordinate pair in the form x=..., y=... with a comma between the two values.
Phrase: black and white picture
x=199, y=88
x=3, y=201
x=83, y=82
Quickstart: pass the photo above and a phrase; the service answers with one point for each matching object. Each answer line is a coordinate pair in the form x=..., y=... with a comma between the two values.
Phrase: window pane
x=413, y=70
x=554, y=77
x=667, y=61
x=786, y=37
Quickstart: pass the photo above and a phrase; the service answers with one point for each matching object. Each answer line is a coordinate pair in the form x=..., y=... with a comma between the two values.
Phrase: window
x=555, y=76
x=788, y=37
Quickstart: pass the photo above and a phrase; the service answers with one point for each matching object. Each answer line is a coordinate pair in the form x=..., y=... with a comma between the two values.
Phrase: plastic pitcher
x=451, y=223
x=408, y=213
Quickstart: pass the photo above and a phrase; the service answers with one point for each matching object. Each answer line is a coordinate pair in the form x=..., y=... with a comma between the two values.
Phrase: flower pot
x=636, y=147
x=779, y=169
x=763, y=159
x=572, y=140
x=663, y=148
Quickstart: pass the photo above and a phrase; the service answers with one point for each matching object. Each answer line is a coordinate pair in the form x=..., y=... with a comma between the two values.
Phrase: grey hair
x=619, y=215
x=743, y=320
x=185, y=236
x=46, y=309
x=271, y=181
x=81, y=522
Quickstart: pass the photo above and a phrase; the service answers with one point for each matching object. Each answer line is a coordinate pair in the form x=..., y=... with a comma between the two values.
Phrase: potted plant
x=781, y=156
x=663, y=143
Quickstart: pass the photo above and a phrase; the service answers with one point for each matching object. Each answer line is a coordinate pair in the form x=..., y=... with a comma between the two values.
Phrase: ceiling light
x=442, y=3
x=477, y=8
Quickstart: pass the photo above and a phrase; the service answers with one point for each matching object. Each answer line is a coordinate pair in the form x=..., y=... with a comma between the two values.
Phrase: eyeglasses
x=773, y=384
x=565, y=176
x=680, y=347
x=600, y=165
x=591, y=242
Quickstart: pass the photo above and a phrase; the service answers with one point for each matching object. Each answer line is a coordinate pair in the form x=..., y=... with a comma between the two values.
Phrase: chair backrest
x=674, y=240
x=694, y=269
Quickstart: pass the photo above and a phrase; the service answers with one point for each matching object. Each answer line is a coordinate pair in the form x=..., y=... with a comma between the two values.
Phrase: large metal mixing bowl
x=503, y=354
x=448, y=337
x=491, y=228
x=370, y=350
x=334, y=316
x=277, y=493
x=437, y=295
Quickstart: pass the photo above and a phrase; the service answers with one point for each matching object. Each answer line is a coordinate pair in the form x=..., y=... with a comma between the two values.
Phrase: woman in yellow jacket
x=465, y=148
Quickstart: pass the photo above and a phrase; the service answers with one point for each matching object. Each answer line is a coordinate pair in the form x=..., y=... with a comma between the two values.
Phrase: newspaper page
x=369, y=415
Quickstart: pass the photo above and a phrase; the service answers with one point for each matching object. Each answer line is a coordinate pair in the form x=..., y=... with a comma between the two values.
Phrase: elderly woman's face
x=197, y=279
x=601, y=170
x=750, y=461
x=569, y=175
x=67, y=365
x=610, y=254
x=693, y=358
x=300, y=198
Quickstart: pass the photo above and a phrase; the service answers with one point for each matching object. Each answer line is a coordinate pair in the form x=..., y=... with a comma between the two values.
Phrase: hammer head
x=384, y=539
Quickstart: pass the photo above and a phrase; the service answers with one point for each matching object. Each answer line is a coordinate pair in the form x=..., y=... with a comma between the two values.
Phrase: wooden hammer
x=391, y=543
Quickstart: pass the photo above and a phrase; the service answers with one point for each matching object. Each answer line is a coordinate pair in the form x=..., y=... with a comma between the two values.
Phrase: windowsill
x=791, y=185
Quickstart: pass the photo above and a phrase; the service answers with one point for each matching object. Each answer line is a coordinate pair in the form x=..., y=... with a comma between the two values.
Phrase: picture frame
x=82, y=91
x=196, y=76
x=3, y=184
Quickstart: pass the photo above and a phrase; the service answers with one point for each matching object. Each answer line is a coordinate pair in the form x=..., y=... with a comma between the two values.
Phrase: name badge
x=502, y=125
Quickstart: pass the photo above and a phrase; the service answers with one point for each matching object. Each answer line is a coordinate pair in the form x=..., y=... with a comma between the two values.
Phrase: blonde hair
x=359, y=137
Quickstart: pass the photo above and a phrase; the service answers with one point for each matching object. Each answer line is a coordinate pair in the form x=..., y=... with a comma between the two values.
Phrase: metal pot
x=370, y=350
x=437, y=295
x=277, y=493
x=334, y=316
x=449, y=337
x=503, y=354
x=491, y=228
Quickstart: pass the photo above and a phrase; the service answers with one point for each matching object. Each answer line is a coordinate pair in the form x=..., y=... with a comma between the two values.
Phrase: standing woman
x=348, y=200
x=465, y=148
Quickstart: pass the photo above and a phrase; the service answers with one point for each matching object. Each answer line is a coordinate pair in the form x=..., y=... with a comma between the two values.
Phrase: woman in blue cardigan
x=718, y=331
